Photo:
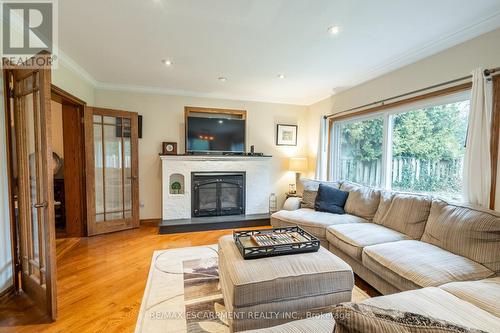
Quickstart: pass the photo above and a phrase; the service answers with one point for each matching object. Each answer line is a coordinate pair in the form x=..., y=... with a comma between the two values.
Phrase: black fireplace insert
x=217, y=193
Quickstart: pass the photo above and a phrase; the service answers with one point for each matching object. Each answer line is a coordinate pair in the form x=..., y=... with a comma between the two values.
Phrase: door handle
x=42, y=204
x=132, y=177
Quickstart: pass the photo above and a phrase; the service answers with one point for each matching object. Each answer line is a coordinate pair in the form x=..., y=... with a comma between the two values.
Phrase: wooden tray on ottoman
x=254, y=244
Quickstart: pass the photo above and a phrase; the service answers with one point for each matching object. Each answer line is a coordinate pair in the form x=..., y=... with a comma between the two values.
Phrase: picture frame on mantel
x=286, y=135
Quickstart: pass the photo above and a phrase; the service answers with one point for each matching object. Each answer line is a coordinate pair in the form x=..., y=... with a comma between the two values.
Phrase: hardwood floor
x=100, y=281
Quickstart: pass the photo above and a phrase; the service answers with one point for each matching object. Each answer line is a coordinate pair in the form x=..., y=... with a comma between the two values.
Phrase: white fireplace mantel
x=180, y=167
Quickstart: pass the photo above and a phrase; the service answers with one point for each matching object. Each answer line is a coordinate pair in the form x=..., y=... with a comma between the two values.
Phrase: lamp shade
x=298, y=164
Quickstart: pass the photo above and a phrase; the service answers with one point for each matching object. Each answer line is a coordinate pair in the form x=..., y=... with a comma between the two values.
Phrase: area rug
x=183, y=293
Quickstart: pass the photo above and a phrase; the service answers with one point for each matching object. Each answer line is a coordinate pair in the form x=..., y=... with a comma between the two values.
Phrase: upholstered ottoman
x=271, y=291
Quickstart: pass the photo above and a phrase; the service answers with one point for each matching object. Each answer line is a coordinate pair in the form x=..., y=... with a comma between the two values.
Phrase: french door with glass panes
x=29, y=94
x=111, y=170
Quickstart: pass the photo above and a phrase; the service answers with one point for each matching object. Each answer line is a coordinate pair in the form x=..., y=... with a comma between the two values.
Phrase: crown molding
x=416, y=54
x=72, y=65
x=188, y=93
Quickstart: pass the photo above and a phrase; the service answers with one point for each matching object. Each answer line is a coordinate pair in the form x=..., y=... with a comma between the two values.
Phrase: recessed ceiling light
x=281, y=76
x=222, y=78
x=334, y=29
x=167, y=62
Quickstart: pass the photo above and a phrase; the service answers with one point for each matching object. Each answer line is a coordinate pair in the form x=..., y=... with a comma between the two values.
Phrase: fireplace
x=217, y=193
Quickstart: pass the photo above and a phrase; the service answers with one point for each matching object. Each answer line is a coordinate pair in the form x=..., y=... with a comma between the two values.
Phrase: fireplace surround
x=217, y=193
x=176, y=205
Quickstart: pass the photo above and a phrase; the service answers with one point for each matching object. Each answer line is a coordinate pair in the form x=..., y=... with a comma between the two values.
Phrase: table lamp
x=298, y=165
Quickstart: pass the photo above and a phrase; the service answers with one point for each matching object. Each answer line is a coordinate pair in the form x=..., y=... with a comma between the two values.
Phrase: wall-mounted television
x=215, y=135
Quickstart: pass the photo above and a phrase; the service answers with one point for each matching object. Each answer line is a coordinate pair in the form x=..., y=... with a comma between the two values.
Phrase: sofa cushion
x=308, y=199
x=363, y=201
x=411, y=264
x=312, y=221
x=292, y=203
x=484, y=294
x=352, y=238
x=406, y=213
x=318, y=324
x=277, y=279
x=330, y=200
x=439, y=304
x=469, y=232
x=358, y=317
x=313, y=184
x=309, y=189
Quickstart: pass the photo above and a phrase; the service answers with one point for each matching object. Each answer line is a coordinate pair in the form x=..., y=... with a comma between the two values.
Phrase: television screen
x=217, y=135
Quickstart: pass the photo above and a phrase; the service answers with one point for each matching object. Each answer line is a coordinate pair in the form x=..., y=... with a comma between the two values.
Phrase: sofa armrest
x=292, y=203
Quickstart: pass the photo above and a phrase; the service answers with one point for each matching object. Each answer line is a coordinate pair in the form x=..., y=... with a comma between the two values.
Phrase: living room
x=164, y=136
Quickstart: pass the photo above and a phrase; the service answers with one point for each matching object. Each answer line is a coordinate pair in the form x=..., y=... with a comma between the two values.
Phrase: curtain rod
x=487, y=72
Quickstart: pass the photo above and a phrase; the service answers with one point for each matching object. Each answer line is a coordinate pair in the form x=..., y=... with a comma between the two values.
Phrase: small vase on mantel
x=273, y=206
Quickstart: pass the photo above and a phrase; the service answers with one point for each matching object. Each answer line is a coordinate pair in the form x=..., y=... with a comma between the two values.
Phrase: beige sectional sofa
x=471, y=304
x=399, y=241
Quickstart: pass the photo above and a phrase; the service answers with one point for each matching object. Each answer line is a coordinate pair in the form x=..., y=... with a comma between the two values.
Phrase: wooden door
x=29, y=101
x=111, y=148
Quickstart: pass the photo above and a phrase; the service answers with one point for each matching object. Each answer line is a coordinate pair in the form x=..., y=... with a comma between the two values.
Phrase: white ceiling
x=120, y=44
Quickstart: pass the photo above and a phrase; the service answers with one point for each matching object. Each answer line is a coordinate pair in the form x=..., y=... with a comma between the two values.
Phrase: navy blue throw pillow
x=330, y=200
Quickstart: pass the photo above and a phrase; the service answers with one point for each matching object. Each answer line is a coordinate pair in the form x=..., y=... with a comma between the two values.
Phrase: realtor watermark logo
x=29, y=28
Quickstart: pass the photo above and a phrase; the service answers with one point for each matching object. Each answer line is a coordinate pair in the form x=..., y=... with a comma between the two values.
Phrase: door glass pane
x=113, y=173
x=428, y=149
x=127, y=159
x=31, y=142
x=98, y=171
x=360, y=151
x=113, y=168
x=109, y=120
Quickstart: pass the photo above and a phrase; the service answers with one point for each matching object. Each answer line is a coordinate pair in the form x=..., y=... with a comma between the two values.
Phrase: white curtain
x=477, y=164
x=321, y=157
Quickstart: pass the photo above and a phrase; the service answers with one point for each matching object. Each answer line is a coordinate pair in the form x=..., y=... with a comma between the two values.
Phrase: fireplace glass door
x=216, y=194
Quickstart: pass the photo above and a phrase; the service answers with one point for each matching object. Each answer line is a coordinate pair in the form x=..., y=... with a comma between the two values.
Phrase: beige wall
x=453, y=63
x=164, y=121
x=73, y=83
x=57, y=129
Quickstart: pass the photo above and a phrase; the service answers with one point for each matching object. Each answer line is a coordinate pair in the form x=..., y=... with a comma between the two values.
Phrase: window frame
x=387, y=115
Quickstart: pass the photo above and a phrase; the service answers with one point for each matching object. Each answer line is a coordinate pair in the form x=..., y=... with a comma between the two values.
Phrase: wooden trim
x=433, y=94
x=88, y=125
x=61, y=96
x=74, y=170
x=234, y=112
x=329, y=149
x=8, y=292
x=9, y=122
x=153, y=222
x=437, y=93
x=45, y=79
x=495, y=139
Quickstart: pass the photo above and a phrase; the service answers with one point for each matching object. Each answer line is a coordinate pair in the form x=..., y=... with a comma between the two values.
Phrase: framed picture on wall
x=286, y=135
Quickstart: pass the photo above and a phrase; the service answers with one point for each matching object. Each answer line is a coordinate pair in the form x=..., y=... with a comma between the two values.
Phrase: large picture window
x=416, y=148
